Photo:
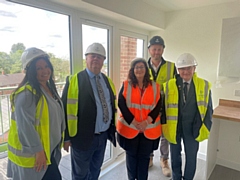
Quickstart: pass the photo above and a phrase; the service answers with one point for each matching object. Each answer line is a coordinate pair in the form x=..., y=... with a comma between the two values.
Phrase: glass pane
x=91, y=34
x=140, y=47
x=130, y=49
x=22, y=27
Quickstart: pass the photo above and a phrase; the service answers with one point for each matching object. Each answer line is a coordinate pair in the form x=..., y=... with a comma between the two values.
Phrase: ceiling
x=163, y=5
x=113, y=8
x=175, y=5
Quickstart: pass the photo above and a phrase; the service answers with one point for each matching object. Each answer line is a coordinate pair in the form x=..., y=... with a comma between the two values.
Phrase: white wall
x=198, y=31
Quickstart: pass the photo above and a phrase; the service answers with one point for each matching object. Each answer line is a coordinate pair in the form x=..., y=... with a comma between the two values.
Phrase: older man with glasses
x=188, y=108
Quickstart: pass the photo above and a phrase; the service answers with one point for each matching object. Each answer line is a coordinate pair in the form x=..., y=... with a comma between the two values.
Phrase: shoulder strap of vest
x=21, y=89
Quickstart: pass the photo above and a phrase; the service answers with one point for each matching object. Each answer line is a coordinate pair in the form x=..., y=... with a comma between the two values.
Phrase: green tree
x=16, y=47
x=16, y=66
x=5, y=63
x=11, y=63
x=61, y=68
x=15, y=56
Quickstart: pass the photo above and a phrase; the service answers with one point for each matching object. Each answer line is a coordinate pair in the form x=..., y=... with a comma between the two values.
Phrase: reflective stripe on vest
x=133, y=127
x=165, y=73
x=140, y=107
x=202, y=92
x=72, y=103
x=15, y=153
x=202, y=89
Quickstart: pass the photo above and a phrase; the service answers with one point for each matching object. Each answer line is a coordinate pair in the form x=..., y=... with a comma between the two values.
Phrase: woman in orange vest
x=139, y=127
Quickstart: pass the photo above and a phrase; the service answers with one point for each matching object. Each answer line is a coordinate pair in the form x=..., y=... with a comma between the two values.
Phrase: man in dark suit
x=188, y=108
x=89, y=101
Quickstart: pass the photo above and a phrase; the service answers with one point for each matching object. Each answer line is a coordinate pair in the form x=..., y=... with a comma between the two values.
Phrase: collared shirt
x=189, y=82
x=155, y=68
x=100, y=126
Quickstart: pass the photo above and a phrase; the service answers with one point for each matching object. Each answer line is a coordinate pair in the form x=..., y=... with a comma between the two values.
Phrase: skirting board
x=229, y=164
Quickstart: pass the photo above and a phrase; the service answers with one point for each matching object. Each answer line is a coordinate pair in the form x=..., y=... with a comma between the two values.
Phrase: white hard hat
x=30, y=54
x=186, y=60
x=96, y=48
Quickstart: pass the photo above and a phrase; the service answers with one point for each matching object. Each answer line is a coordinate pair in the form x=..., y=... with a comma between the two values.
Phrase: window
x=91, y=34
x=22, y=27
x=130, y=48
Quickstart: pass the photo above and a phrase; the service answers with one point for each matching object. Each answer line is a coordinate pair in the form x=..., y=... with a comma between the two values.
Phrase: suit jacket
x=87, y=112
x=189, y=119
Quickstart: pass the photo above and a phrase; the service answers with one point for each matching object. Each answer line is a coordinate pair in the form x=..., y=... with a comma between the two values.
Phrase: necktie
x=185, y=90
x=102, y=99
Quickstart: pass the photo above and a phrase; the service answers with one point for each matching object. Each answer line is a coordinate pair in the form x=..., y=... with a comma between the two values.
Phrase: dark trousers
x=86, y=165
x=137, y=157
x=191, y=148
x=52, y=171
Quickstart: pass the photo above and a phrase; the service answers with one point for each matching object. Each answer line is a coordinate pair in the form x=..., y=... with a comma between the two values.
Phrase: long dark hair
x=31, y=79
x=131, y=76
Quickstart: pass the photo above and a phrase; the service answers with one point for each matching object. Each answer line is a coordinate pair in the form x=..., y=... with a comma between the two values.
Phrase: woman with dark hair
x=139, y=127
x=37, y=124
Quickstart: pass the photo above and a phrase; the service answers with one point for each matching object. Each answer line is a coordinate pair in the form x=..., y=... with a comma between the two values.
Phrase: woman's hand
x=139, y=125
x=149, y=120
x=136, y=124
x=143, y=125
x=41, y=161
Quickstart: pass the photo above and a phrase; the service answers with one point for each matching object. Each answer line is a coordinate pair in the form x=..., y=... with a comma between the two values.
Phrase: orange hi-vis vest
x=140, y=107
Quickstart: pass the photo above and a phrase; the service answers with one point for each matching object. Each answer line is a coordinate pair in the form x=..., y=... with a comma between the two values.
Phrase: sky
x=34, y=28
x=43, y=29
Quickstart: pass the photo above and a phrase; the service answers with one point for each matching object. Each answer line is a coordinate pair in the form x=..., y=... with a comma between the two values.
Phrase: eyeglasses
x=96, y=56
x=139, y=67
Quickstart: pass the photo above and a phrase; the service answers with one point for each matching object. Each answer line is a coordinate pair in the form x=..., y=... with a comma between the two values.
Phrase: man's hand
x=66, y=145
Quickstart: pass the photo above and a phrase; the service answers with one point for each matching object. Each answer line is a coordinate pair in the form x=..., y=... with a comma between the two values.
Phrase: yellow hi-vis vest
x=140, y=107
x=202, y=88
x=72, y=103
x=165, y=73
x=15, y=153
